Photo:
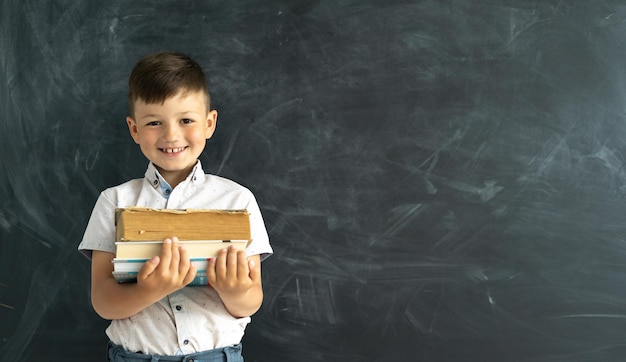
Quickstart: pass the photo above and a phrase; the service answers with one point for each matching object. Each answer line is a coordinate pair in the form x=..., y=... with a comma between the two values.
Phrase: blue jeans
x=116, y=353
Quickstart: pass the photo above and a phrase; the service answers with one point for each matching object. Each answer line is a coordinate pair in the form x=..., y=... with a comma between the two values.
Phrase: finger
x=255, y=270
x=232, y=264
x=220, y=264
x=175, y=261
x=185, y=262
x=148, y=268
x=210, y=271
x=191, y=274
x=242, y=264
x=166, y=253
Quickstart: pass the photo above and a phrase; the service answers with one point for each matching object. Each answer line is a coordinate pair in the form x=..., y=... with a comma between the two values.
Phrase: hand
x=231, y=274
x=169, y=272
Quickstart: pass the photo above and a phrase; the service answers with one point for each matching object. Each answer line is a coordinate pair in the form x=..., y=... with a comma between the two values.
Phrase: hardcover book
x=126, y=270
x=146, y=224
x=195, y=248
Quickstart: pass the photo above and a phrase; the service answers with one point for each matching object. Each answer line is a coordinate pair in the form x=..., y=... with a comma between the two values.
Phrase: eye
x=186, y=121
x=153, y=123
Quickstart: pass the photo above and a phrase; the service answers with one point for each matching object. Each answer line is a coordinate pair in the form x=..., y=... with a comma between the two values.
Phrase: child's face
x=172, y=135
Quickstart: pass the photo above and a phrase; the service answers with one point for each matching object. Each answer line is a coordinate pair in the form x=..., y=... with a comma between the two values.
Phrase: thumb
x=148, y=268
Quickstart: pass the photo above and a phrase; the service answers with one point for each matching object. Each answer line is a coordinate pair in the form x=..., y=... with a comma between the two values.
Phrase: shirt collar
x=196, y=176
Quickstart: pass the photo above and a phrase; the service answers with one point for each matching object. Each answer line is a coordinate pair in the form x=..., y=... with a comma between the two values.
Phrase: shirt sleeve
x=100, y=232
x=260, y=244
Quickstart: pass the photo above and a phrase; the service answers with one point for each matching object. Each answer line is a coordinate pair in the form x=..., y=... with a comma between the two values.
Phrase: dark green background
x=441, y=180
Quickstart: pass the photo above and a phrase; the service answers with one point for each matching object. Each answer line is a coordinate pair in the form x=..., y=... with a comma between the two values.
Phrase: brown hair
x=159, y=76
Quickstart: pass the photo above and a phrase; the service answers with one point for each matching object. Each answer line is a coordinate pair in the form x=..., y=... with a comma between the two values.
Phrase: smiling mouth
x=172, y=150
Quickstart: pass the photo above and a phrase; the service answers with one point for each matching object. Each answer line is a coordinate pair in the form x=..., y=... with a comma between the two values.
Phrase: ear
x=211, y=123
x=132, y=128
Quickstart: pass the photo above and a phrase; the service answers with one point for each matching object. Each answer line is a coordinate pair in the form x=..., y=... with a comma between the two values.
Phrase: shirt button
x=156, y=182
x=178, y=307
x=186, y=342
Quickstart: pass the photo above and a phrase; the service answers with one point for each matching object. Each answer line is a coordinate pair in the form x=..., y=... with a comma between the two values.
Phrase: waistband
x=116, y=353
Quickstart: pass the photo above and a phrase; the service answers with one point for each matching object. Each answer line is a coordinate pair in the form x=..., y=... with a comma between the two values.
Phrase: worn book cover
x=146, y=224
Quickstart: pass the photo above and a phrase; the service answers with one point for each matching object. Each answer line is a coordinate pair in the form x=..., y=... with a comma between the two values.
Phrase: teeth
x=172, y=150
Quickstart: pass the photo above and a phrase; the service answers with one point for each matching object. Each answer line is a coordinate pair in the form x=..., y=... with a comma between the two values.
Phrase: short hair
x=159, y=76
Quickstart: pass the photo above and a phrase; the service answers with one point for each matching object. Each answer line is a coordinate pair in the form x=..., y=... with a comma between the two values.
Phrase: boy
x=158, y=318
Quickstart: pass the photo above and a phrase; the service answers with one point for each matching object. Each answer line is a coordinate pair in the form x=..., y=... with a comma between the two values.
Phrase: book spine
x=131, y=277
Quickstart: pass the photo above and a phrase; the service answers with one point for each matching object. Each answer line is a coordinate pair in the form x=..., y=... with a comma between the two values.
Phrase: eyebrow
x=153, y=115
x=187, y=112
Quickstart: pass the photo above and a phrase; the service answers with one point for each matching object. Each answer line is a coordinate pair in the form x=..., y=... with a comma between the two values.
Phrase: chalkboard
x=441, y=180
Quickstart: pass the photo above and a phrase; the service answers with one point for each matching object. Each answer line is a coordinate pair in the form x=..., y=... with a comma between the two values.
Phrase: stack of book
x=141, y=231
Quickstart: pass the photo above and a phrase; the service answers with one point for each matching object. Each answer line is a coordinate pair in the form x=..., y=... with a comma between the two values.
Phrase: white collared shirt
x=192, y=319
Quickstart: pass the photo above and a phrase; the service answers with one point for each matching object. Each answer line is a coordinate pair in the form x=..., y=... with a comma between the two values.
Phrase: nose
x=171, y=132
